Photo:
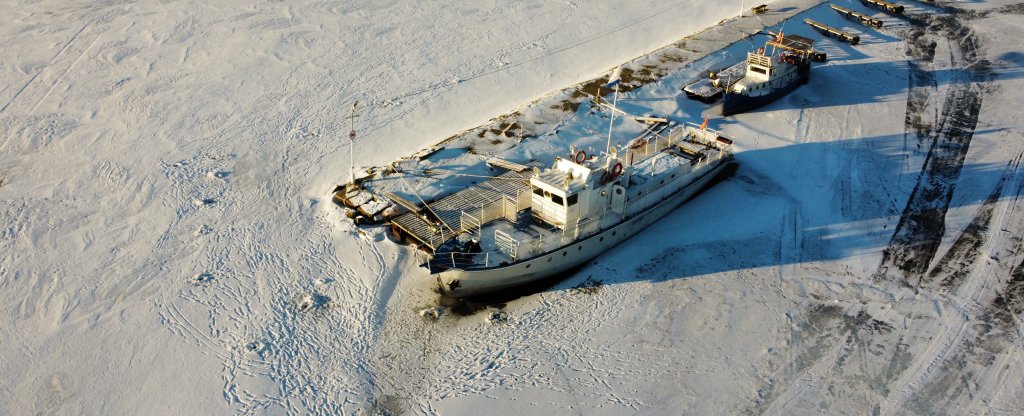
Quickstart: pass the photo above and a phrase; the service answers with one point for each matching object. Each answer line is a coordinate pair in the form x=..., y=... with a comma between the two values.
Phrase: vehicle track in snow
x=941, y=115
x=881, y=360
x=947, y=136
x=957, y=263
x=991, y=300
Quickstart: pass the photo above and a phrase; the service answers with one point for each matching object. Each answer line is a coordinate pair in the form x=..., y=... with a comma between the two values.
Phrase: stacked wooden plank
x=857, y=17
x=884, y=5
x=832, y=32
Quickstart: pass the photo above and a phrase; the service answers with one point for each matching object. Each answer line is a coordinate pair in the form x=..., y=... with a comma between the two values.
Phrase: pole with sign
x=352, y=144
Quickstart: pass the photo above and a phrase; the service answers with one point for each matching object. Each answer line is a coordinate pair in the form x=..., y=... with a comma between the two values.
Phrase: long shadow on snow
x=867, y=83
x=839, y=200
x=472, y=305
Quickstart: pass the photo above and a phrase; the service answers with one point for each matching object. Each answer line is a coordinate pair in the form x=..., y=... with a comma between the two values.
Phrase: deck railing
x=511, y=248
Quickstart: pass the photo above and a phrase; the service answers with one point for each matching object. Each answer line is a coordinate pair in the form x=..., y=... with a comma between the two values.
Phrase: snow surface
x=169, y=245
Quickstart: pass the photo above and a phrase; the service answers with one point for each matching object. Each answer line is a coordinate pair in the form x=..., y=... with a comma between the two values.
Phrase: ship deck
x=434, y=224
x=703, y=89
x=492, y=239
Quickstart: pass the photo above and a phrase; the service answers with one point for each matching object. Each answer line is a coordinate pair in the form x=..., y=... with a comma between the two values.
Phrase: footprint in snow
x=496, y=317
x=432, y=314
x=203, y=279
x=257, y=347
x=312, y=301
x=203, y=230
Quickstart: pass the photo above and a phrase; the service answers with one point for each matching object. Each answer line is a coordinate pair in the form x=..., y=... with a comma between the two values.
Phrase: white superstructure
x=580, y=207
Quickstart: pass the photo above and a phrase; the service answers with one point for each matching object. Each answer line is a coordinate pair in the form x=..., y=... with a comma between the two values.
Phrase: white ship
x=580, y=207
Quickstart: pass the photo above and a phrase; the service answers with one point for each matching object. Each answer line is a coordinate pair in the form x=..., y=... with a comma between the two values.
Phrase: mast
x=613, y=80
x=352, y=144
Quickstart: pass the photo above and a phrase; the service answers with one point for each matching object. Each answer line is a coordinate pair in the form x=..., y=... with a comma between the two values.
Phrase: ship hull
x=461, y=283
x=739, y=103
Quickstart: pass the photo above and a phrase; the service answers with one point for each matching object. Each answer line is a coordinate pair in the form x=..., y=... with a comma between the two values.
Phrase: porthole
x=580, y=248
x=613, y=233
x=527, y=265
x=602, y=238
x=549, y=259
x=564, y=253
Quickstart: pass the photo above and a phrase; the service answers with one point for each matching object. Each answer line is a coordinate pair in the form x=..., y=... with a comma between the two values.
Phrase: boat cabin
x=759, y=66
x=571, y=191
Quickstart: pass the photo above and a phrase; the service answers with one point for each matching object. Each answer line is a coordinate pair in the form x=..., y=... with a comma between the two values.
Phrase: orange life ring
x=581, y=156
x=617, y=169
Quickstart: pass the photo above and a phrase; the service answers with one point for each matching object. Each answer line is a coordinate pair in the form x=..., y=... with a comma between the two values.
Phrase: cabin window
x=538, y=191
x=556, y=199
x=573, y=199
x=758, y=70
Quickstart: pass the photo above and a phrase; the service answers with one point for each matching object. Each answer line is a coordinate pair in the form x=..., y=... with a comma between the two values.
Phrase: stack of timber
x=832, y=32
x=364, y=204
x=857, y=17
x=884, y=5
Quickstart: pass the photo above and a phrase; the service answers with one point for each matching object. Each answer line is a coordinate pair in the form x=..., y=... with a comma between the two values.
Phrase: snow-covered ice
x=169, y=245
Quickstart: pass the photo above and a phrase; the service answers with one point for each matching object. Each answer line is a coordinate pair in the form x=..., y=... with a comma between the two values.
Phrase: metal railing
x=507, y=244
x=508, y=207
x=759, y=59
x=458, y=260
x=468, y=223
x=705, y=136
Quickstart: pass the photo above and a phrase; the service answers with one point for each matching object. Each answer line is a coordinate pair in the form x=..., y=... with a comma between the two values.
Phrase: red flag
x=704, y=125
x=778, y=37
